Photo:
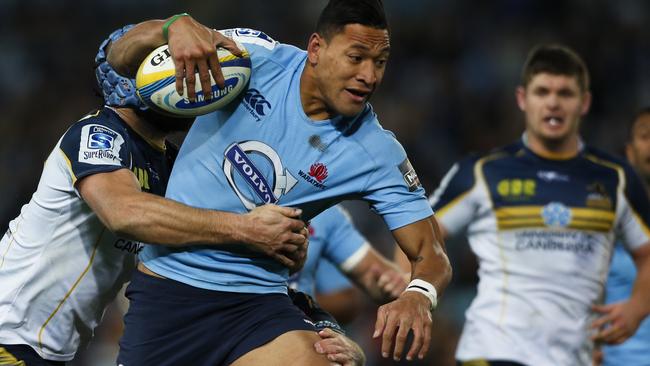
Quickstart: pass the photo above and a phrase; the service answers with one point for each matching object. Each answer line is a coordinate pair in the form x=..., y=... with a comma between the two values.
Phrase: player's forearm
x=126, y=54
x=429, y=262
x=424, y=248
x=152, y=219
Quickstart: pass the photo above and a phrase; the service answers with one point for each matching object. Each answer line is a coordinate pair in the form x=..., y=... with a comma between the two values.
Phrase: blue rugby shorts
x=171, y=323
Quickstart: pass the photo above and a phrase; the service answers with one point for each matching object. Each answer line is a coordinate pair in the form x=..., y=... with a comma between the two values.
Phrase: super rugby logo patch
x=99, y=145
x=256, y=174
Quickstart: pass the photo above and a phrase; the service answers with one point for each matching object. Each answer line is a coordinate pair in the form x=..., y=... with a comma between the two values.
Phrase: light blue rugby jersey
x=635, y=350
x=333, y=240
x=263, y=148
x=330, y=279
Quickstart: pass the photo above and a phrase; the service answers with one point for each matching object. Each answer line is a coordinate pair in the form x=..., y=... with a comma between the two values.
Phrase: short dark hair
x=339, y=13
x=555, y=59
x=630, y=127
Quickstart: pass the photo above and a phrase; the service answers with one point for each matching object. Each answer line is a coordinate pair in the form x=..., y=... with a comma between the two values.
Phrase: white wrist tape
x=426, y=289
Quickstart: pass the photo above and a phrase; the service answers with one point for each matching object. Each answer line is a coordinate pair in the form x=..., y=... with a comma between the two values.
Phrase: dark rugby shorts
x=171, y=323
x=14, y=354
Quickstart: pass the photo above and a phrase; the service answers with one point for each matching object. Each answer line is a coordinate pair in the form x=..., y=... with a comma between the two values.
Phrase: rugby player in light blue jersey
x=303, y=135
x=622, y=271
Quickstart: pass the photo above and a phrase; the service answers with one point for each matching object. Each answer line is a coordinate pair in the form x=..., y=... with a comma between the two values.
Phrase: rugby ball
x=156, y=84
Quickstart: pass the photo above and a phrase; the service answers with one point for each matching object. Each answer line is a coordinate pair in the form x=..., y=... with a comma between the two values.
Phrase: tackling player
x=303, y=135
x=541, y=215
x=73, y=246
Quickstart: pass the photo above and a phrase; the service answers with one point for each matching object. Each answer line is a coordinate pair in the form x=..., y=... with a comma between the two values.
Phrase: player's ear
x=315, y=45
x=520, y=94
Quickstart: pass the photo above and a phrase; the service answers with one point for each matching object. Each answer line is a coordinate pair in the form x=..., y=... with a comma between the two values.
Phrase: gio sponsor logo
x=256, y=104
x=161, y=57
x=237, y=161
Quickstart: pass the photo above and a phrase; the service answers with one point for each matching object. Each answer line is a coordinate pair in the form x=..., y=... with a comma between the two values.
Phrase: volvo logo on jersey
x=260, y=181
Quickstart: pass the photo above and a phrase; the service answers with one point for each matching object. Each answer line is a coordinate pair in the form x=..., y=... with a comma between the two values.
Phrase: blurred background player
x=325, y=92
x=74, y=244
x=622, y=271
x=336, y=294
x=335, y=243
x=541, y=216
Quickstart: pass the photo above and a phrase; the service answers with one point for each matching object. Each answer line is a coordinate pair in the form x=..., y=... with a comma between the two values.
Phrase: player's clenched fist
x=410, y=312
x=277, y=232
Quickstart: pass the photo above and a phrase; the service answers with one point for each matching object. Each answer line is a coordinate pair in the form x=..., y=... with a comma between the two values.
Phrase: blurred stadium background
x=448, y=91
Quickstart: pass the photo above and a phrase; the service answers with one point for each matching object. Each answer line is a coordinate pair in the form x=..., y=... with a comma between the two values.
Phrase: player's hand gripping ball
x=155, y=83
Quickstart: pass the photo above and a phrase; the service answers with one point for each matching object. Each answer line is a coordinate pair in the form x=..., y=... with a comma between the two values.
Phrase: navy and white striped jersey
x=543, y=231
x=59, y=265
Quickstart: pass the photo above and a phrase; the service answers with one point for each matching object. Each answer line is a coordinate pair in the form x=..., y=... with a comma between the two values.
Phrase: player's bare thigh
x=291, y=348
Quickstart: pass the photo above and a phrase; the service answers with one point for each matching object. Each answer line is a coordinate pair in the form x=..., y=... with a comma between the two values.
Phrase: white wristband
x=426, y=289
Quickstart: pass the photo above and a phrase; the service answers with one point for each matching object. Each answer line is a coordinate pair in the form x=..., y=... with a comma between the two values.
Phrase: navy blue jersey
x=102, y=142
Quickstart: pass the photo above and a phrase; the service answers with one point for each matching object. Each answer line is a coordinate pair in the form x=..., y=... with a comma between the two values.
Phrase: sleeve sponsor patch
x=409, y=175
x=247, y=35
x=99, y=145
